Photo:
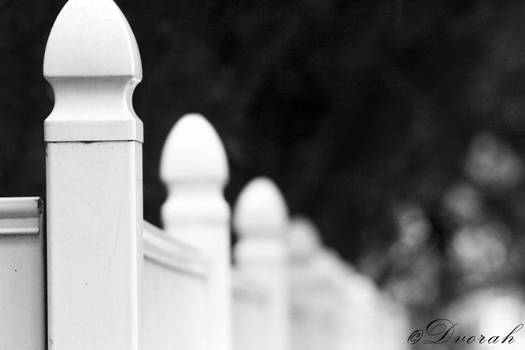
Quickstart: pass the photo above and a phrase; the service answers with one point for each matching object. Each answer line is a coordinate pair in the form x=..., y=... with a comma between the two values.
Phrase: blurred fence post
x=304, y=246
x=333, y=271
x=261, y=221
x=94, y=180
x=195, y=171
x=316, y=290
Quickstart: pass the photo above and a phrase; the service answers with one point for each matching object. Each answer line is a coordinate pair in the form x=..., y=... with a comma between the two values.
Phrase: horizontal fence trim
x=172, y=253
x=244, y=288
x=25, y=230
x=20, y=216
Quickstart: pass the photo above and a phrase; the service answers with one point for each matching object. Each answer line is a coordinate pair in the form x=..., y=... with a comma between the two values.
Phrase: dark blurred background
x=397, y=126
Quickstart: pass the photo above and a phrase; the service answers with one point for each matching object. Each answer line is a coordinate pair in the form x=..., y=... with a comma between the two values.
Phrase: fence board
x=174, y=288
x=22, y=273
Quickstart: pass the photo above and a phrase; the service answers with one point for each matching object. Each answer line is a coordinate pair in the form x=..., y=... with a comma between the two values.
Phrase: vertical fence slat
x=261, y=221
x=94, y=180
x=195, y=171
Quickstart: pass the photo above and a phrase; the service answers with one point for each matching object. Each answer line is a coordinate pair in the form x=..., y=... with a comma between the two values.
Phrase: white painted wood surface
x=316, y=299
x=304, y=245
x=174, y=292
x=93, y=64
x=195, y=170
x=251, y=311
x=261, y=221
x=22, y=265
x=335, y=307
x=94, y=181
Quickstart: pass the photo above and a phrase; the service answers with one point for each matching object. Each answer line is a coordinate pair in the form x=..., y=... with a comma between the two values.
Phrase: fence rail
x=172, y=253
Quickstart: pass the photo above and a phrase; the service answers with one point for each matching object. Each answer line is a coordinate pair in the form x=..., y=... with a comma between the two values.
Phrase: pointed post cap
x=304, y=238
x=329, y=263
x=260, y=210
x=91, y=38
x=93, y=64
x=193, y=154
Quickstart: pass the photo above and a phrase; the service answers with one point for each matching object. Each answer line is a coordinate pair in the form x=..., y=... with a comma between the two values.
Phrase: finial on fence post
x=261, y=222
x=94, y=180
x=93, y=64
x=304, y=239
x=194, y=169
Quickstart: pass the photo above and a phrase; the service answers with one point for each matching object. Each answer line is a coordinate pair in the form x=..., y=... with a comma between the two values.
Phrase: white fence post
x=321, y=287
x=94, y=180
x=195, y=171
x=261, y=221
x=332, y=269
x=304, y=247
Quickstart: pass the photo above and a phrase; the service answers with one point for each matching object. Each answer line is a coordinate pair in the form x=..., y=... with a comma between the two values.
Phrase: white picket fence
x=115, y=282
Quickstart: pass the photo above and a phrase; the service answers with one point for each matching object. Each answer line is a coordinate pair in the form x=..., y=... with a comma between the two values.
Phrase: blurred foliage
x=357, y=109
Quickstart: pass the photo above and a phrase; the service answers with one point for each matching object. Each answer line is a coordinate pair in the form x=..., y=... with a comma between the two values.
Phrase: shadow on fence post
x=94, y=180
x=195, y=170
x=261, y=221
